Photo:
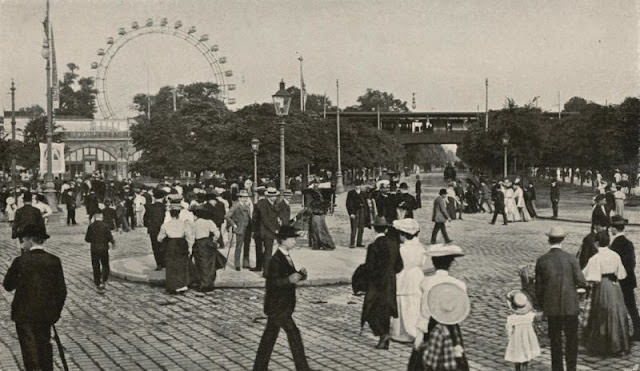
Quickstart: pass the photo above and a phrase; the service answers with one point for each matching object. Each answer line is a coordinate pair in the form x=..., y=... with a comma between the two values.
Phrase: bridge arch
x=84, y=160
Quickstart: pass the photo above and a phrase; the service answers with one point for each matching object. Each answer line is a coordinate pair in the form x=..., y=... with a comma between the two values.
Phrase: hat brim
x=453, y=294
x=528, y=307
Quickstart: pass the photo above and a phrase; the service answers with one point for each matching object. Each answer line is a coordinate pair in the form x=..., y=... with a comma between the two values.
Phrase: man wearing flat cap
x=40, y=292
x=558, y=276
x=621, y=245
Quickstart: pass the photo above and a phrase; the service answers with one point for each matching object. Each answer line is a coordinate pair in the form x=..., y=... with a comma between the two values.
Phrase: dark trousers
x=439, y=226
x=37, y=352
x=268, y=340
x=264, y=250
x=568, y=325
x=132, y=220
x=496, y=211
x=554, y=206
x=357, y=228
x=632, y=308
x=71, y=215
x=418, y=200
x=243, y=244
x=100, y=264
x=158, y=249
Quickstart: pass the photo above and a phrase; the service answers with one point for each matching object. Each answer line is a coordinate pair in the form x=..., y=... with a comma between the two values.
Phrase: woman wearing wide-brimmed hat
x=444, y=305
x=178, y=237
x=403, y=328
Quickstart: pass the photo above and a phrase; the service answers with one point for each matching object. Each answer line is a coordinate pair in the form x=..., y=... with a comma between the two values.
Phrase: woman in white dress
x=408, y=294
x=510, y=203
x=521, y=206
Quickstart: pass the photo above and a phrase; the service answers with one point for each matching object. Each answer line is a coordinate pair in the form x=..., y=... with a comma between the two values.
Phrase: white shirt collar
x=556, y=246
x=618, y=235
x=36, y=247
x=379, y=235
x=283, y=251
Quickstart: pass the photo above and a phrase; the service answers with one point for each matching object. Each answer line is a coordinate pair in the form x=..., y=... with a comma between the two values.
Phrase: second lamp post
x=255, y=144
x=505, y=144
x=281, y=102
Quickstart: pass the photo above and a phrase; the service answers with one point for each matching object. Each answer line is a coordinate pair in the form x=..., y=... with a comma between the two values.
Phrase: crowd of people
x=188, y=224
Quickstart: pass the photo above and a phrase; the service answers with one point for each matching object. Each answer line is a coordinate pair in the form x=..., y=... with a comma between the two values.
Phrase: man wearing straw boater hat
x=41, y=291
x=558, y=276
x=280, y=301
x=266, y=218
x=621, y=245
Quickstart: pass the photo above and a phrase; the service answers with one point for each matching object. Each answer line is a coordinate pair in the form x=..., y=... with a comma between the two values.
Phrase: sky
x=441, y=50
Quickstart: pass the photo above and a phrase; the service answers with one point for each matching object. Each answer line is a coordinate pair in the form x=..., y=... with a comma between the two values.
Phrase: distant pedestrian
x=418, y=192
x=358, y=211
x=406, y=202
x=623, y=247
x=91, y=203
x=25, y=216
x=178, y=238
x=70, y=202
x=153, y=219
x=523, y=343
x=554, y=195
x=41, y=291
x=619, y=200
x=485, y=197
x=267, y=222
x=440, y=216
x=530, y=200
x=280, y=301
x=599, y=214
x=498, y=204
x=99, y=236
x=204, y=250
x=558, y=276
x=239, y=219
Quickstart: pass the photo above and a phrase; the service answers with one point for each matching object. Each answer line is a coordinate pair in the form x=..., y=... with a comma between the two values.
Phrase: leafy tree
x=575, y=104
x=372, y=99
x=79, y=101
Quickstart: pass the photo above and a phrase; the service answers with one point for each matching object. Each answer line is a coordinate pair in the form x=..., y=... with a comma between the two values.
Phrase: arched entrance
x=87, y=160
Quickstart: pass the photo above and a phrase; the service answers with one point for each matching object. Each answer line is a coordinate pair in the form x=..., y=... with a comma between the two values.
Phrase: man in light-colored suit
x=558, y=275
x=440, y=216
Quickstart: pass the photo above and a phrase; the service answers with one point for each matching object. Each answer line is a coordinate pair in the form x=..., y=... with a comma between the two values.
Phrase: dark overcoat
x=558, y=275
x=625, y=249
x=280, y=295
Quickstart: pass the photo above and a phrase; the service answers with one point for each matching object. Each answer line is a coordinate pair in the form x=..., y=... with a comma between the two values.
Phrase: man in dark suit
x=70, y=202
x=418, y=191
x=498, y=205
x=626, y=250
x=41, y=291
x=554, y=194
x=610, y=199
x=599, y=215
x=99, y=236
x=358, y=211
x=406, y=202
x=153, y=219
x=266, y=216
x=557, y=278
x=25, y=216
x=440, y=216
x=280, y=301
x=91, y=203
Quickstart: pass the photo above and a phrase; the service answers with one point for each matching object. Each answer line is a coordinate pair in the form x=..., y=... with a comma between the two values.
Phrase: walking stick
x=229, y=252
x=65, y=367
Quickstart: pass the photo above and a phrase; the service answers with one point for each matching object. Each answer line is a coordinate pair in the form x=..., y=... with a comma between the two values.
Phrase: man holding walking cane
x=38, y=280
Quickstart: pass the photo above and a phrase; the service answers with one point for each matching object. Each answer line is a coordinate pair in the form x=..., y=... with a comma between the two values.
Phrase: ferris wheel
x=106, y=55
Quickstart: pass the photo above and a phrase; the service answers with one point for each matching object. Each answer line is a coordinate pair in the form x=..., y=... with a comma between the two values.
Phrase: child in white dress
x=523, y=343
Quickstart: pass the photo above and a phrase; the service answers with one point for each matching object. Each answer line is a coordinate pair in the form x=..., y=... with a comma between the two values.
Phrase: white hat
x=447, y=302
x=271, y=191
x=519, y=302
x=445, y=250
x=407, y=225
x=556, y=232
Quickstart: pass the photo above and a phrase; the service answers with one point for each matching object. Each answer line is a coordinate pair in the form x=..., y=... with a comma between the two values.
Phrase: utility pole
x=13, y=135
x=486, y=104
x=339, y=184
x=174, y=99
x=379, y=122
x=559, y=109
x=302, y=89
x=324, y=106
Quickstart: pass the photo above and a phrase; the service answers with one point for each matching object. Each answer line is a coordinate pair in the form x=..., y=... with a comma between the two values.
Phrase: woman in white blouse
x=607, y=331
x=178, y=238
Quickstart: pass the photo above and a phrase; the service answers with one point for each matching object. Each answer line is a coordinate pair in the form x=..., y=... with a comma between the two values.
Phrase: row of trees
x=588, y=136
x=202, y=134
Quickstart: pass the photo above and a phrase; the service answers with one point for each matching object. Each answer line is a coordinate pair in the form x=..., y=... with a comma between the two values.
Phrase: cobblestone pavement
x=136, y=326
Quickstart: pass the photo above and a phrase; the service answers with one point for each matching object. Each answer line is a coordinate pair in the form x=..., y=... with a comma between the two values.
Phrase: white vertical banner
x=57, y=158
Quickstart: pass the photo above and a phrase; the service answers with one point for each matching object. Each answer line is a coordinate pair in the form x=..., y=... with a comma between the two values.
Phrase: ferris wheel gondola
x=162, y=27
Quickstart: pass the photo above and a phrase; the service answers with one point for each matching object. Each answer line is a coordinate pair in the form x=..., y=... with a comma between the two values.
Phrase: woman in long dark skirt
x=607, y=331
x=177, y=236
x=319, y=236
x=204, y=250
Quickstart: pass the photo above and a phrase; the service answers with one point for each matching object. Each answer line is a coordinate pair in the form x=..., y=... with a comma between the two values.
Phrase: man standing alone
x=554, y=194
x=440, y=216
x=418, y=191
x=358, y=211
x=557, y=278
x=41, y=291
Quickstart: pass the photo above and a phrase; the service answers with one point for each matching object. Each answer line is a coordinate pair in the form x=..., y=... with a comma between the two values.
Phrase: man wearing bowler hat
x=621, y=245
x=558, y=276
x=25, y=216
x=280, y=301
x=266, y=218
x=38, y=280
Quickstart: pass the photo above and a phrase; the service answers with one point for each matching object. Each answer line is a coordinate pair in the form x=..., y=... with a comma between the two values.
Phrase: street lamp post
x=14, y=173
x=49, y=189
x=505, y=144
x=339, y=184
x=255, y=144
x=281, y=102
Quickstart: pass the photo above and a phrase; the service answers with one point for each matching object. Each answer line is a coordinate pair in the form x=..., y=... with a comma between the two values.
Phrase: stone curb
x=578, y=221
